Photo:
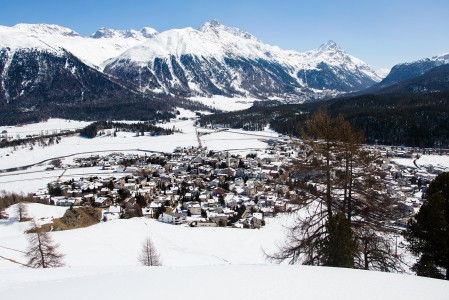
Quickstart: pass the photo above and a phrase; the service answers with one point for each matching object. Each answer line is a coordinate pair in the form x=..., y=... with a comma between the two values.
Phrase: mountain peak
x=47, y=29
x=330, y=46
x=148, y=32
x=214, y=26
x=215, y=23
x=107, y=33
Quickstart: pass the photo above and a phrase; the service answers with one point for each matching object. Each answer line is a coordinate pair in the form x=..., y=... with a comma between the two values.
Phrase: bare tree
x=21, y=210
x=335, y=176
x=149, y=255
x=42, y=251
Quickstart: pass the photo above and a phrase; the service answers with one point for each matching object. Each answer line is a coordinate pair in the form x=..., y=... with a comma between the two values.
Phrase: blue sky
x=382, y=33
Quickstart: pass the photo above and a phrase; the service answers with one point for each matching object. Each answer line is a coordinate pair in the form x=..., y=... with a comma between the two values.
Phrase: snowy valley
x=102, y=253
x=199, y=163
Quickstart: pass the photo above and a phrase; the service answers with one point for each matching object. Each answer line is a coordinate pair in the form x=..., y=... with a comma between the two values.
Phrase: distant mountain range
x=48, y=65
x=406, y=71
x=212, y=60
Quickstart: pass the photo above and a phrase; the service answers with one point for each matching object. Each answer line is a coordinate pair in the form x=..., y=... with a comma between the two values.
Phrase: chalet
x=172, y=218
x=102, y=201
x=114, y=212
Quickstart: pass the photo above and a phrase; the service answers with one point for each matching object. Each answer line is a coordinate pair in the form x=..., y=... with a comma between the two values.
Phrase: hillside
x=251, y=282
x=416, y=120
x=105, y=253
x=434, y=80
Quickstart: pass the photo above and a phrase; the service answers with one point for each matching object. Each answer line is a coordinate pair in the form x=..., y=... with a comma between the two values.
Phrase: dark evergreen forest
x=416, y=120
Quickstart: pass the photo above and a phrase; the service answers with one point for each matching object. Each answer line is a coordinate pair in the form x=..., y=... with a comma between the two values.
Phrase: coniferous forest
x=405, y=119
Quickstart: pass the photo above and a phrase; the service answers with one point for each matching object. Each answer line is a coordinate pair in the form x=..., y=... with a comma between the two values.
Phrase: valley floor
x=198, y=263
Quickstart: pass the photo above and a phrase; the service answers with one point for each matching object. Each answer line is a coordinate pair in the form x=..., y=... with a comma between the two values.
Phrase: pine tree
x=428, y=234
x=149, y=255
x=339, y=247
x=42, y=251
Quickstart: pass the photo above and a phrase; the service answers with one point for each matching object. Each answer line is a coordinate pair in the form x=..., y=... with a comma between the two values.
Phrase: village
x=198, y=187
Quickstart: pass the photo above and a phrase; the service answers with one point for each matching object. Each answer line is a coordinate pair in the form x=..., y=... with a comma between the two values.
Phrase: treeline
x=90, y=131
x=8, y=199
x=282, y=118
x=410, y=120
x=43, y=140
x=160, y=108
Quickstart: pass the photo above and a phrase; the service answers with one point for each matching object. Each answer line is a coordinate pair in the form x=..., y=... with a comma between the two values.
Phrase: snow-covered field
x=435, y=160
x=118, y=242
x=224, y=263
x=36, y=177
x=226, y=103
x=48, y=127
x=70, y=146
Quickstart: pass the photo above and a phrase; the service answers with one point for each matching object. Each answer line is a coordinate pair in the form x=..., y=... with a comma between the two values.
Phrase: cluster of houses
x=204, y=188
x=191, y=185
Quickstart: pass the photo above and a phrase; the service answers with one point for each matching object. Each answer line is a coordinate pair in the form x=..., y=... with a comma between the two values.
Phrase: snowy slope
x=213, y=39
x=222, y=263
x=216, y=282
x=220, y=60
x=93, y=50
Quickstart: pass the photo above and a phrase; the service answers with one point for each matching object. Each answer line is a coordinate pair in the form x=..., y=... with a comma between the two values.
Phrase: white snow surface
x=435, y=160
x=224, y=262
x=48, y=127
x=217, y=282
x=383, y=72
x=92, y=50
x=118, y=242
x=226, y=103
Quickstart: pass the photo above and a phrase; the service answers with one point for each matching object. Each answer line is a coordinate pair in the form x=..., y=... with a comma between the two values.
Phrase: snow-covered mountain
x=92, y=50
x=405, y=71
x=212, y=60
x=221, y=60
x=42, y=63
x=38, y=76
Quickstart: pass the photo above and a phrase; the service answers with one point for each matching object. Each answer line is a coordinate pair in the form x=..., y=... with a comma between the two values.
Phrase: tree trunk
x=328, y=184
x=365, y=254
x=345, y=188
x=41, y=252
x=350, y=193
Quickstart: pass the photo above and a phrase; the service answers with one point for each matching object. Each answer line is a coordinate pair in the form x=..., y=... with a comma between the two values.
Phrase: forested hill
x=417, y=120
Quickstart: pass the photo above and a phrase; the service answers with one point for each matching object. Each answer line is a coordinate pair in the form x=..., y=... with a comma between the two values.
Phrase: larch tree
x=42, y=251
x=21, y=211
x=335, y=178
x=148, y=255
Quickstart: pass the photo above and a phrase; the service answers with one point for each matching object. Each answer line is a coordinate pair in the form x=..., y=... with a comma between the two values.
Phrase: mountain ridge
x=212, y=60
